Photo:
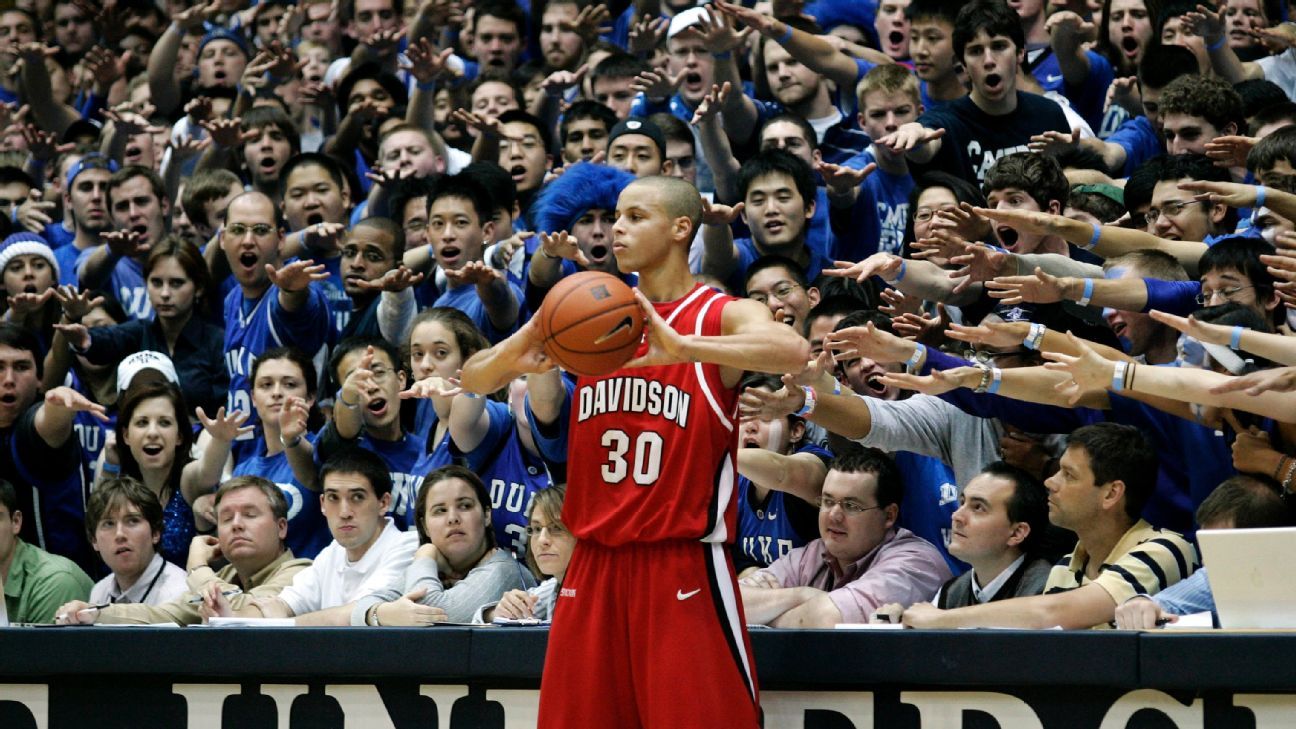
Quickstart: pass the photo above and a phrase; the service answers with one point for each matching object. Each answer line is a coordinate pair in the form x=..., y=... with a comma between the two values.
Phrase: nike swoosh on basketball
x=681, y=595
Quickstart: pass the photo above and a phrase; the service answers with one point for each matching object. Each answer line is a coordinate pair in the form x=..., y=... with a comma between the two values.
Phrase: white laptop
x=1252, y=575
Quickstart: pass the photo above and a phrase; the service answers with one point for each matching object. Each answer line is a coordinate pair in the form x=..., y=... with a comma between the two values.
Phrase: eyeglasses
x=1207, y=295
x=260, y=230
x=1170, y=210
x=850, y=506
x=555, y=531
x=922, y=215
x=415, y=226
x=780, y=292
x=380, y=373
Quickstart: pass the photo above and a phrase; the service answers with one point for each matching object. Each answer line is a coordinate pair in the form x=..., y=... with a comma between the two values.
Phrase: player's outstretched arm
x=521, y=354
x=753, y=341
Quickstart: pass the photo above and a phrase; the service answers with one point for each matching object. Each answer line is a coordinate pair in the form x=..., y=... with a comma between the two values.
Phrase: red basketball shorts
x=649, y=635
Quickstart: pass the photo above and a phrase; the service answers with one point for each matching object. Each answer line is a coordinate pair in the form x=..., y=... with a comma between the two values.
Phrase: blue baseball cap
x=92, y=161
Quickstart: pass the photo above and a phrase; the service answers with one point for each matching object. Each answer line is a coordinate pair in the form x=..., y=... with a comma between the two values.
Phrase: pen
x=63, y=617
x=226, y=593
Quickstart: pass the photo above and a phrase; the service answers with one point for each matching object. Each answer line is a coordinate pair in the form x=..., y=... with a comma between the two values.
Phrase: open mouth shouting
x=1008, y=237
x=377, y=407
x=518, y=173
x=152, y=450
x=449, y=257
x=873, y=383
x=994, y=83
x=1129, y=45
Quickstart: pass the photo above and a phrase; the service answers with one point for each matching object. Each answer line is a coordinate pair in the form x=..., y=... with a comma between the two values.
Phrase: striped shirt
x=1144, y=562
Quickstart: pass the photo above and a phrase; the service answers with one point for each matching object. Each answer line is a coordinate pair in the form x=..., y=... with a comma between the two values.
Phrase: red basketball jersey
x=653, y=450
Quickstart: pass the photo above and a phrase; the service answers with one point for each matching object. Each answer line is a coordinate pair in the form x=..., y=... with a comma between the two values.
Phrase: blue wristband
x=722, y=55
x=1093, y=239
x=920, y=351
x=112, y=468
x=1087, y=294
x=1218, y=44
x=1235, y=343
x=900, y=275
x=996, y=379
x=787, y=35
x=429, y=86
x=1118, y=376
x=1260, y=197
x=470, y=395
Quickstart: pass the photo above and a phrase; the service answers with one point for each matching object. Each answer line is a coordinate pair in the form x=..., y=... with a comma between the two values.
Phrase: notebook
x=1252, y=576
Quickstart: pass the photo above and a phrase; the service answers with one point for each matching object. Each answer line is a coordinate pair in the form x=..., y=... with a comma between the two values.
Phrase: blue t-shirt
x=67, y=256
x=513, y=476
x=1139, y=140
x=465, y=299
x=930, y=104
x=339, y=304
x=308, y=531
x=1087, y=98
x=930, y=500
x=125, y=284
x=747, y=255
x=778, y=524
x=254, y=325
x=975, y=140
x=877, y=220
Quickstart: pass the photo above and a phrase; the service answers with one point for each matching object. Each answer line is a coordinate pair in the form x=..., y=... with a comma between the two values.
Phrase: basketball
x=591, y=323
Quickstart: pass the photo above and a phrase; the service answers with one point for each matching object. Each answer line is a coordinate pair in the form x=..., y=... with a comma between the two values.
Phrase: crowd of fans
x=1044, y=255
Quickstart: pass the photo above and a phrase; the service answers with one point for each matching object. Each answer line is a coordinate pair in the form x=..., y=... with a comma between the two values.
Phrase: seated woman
x=458, y=568
x=124, y=519
x=549, y=550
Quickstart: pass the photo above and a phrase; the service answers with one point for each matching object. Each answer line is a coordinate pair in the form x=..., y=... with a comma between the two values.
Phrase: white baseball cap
x=685, y=20
x=128, y=368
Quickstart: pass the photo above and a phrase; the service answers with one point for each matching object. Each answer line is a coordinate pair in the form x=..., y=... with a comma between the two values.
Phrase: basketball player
x=648, y=628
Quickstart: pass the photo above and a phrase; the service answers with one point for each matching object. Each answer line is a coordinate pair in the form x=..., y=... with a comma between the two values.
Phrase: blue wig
x=582, y=187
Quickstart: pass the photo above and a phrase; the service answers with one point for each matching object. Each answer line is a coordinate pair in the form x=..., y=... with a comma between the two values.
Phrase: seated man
x=1104, y=478
x=251, y=522
x=124, y=521
x=368, y=551
x=34, y=581
x=1001, y=519
x=1242, y=502
x=861, y=560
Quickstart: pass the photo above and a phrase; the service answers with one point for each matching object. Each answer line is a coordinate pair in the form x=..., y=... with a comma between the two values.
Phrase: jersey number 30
x=645, y=461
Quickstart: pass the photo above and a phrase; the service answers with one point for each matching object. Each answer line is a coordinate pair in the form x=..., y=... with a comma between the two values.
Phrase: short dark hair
x=1204, y=97
x=839, y=305
x=964, y=192
x=351, y=344
x=778, y=161
x=1251, y=502
x=442, y=474
x=774, y=260
x=518, y=115
x=938, y=10
x=495, y=75
x=992, y=16
x=1194, y=167
x=1278, y=146
x=1242, y=254
x=128, y=173
x=1171, y=9
x=360, y=462
x=260, y=117
x=811, y=137
x=497, y=183
x=464, y=187
x=890, y=484
x=141, y=390
x=278, y=504
x=1258, y=94
x=115, y=491
x=1142, y=181
x=1036, y=175
x=206, y=186
x=672, y=127
x=1102, y=207
x=1028, y=503
x=1284, y=111
x=370, y=71
x=504, y=10
x=8, y=497
x=22, y=339
x=586, y=109
x=405, y=190
x=328, y=163
x=1079, y=158
x=1162, y=64
x=390, y=227
x=10, y=174
x=1119, y=453
x=618, y=65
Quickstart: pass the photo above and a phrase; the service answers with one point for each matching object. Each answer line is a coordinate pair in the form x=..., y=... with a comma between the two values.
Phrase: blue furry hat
x=584, y=186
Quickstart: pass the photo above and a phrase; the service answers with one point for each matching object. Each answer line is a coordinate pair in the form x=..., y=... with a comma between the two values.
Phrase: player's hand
x=665, y=345
x=1141, y=613
x=516, y=604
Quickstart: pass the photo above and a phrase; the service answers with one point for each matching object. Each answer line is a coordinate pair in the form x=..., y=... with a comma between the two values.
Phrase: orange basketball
x=591, y=323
